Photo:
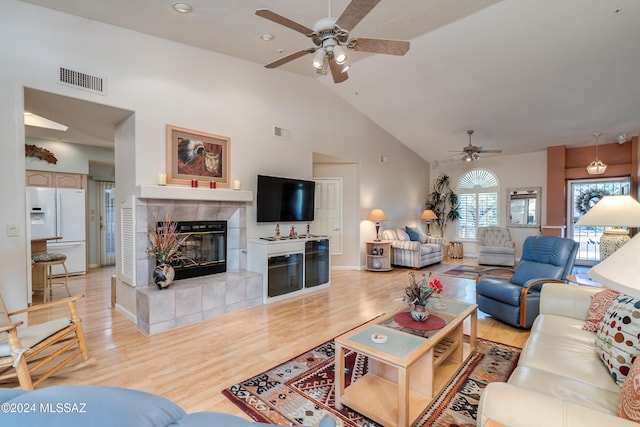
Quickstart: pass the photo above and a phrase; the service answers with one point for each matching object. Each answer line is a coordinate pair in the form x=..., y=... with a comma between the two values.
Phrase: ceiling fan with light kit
x=330, y=37
x=472, y=152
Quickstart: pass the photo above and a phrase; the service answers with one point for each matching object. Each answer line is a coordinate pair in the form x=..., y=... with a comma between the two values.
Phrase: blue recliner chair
x=517, y=302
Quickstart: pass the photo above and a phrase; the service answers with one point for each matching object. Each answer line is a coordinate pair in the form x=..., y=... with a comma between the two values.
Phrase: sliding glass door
x=583, y=194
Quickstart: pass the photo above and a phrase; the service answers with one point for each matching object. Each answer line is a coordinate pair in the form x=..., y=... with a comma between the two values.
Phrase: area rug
x=301, y=390
x=471, y=271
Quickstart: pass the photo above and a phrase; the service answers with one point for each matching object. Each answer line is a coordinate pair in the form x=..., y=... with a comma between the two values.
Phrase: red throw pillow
x=630, y=394
x=600, y=303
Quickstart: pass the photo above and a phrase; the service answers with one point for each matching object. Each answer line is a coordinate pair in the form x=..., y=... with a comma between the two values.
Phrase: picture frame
x=194, y=155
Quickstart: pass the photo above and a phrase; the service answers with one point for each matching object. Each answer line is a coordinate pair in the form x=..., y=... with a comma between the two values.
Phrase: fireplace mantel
x=178, y=192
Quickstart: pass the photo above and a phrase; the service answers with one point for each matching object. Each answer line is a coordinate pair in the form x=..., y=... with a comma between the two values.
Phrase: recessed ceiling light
x=267, y=37
x=182, y=7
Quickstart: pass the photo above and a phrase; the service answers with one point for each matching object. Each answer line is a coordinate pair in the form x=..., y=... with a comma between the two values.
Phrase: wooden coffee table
x=409, y=369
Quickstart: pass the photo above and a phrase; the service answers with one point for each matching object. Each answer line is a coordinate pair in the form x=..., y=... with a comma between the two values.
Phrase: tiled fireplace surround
x=195, y=299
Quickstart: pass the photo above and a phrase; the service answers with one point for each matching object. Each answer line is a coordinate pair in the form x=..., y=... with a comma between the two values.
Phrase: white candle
x=162, y=179
x=236, y=184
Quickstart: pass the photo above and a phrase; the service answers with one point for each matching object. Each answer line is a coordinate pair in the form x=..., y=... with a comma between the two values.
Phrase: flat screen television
x=284, y=199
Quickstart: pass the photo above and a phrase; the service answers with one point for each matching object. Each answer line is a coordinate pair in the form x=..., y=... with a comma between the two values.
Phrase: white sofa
x=411, y=253
x=560, y=379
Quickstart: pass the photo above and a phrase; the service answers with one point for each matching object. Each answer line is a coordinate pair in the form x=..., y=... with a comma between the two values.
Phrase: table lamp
x=428, y=216
x=616, y=212
x=377, y=215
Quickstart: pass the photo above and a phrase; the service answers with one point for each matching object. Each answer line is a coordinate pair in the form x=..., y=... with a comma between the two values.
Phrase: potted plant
x=165, y=243
x=443, y=202
x=418, y=292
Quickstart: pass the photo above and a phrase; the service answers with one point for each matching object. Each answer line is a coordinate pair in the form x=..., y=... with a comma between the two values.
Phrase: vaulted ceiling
x=523, y=74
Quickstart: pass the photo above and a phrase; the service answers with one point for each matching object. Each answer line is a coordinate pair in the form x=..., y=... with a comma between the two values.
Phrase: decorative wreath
x=588, y=198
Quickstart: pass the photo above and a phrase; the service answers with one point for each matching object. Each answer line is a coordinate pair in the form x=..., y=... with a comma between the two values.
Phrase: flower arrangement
x=166, y=241
x=419, y=291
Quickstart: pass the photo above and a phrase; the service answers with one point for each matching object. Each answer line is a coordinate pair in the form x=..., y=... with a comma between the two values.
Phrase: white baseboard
x=126, y=313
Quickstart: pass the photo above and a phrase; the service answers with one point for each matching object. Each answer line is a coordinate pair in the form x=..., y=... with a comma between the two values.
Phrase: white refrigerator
x=60, y=212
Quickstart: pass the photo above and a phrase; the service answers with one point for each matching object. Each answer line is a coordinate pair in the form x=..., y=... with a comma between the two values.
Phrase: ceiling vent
x=69, y=77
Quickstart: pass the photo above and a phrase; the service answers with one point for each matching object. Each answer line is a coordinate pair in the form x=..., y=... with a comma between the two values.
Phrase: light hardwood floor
x=192, y=364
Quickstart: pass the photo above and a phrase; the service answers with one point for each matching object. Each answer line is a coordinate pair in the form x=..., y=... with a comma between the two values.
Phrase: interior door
x=328, y=211
x=106, y=231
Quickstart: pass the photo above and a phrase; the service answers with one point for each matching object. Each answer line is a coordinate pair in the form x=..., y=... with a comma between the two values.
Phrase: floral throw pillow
x=630, y=394
x=618, y=336
x=600, y=303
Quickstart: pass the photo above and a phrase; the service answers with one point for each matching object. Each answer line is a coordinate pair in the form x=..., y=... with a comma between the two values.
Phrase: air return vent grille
x=69, y=77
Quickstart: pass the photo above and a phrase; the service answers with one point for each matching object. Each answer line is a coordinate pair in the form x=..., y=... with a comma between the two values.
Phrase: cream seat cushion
x=572, y=355
x=565, y=388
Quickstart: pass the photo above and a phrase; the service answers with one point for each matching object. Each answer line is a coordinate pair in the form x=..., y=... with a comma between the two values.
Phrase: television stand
x=290, y=266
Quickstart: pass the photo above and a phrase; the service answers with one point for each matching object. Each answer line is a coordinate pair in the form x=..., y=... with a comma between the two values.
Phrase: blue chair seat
x=498, y=290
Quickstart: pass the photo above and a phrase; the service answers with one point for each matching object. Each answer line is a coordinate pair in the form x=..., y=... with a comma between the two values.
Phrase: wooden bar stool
x=47, y=261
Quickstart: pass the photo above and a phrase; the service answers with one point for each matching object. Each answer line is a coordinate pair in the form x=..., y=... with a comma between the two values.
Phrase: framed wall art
x=197, y=155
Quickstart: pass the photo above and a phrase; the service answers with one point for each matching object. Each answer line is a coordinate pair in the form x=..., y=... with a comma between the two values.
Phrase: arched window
x=478, y=197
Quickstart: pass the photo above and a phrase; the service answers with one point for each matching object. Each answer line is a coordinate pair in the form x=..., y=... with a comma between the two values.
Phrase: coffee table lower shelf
x=378, y=398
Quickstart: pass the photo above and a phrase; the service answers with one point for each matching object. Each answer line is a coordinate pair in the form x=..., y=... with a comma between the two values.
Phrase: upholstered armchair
x=495, y=246
x=416, y=252
x=517, y=301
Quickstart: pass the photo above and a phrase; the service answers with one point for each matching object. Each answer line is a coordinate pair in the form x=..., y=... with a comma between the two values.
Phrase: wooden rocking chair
x=34, y=353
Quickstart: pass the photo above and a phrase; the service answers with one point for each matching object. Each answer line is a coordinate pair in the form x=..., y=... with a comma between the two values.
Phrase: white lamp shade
x=377, y=215
x=428, y=215
x=613, y=211
x=621, y=270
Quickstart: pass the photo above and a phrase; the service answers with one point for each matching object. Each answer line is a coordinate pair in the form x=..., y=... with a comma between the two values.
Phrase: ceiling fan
x=471, y=152
x=331, y=35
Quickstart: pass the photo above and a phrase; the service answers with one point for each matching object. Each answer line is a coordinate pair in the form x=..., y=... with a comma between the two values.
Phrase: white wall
x=169, y=83
x=521, y=170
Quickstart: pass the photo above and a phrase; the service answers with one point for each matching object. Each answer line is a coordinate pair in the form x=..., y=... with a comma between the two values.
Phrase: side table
x=456, y=250
x=378, y=255
x=582, y=279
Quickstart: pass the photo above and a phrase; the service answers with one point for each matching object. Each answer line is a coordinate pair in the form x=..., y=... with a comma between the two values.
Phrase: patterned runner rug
x=300, y=391
x=471, y=271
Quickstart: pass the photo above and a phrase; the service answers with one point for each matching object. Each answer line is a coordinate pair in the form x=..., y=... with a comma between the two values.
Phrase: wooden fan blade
x=387, y=47
x=289, y=58
x=279, y=19
x=484, y=150
x=354, y=13
x=336, y=72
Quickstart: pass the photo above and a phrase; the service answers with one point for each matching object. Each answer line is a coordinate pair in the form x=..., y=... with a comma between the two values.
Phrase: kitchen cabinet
x=56, y=179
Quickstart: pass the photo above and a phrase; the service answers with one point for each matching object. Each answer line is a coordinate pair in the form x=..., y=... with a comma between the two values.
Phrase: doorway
x=584, y=194
x=87, y=147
